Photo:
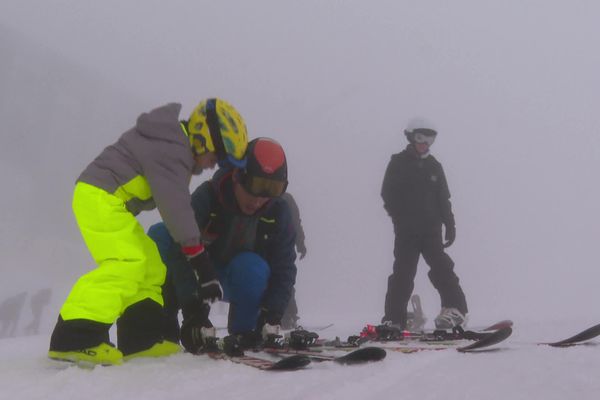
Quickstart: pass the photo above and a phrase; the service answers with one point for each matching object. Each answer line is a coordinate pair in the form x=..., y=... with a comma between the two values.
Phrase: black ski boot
x=301, y=339
x=198, y=335
x=232, y=346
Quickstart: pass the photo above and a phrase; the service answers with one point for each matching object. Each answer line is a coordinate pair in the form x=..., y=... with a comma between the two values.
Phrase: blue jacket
x=226, y=231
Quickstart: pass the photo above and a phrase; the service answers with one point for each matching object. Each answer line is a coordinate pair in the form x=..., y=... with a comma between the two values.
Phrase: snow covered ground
x=512, y=86
x=518, y=369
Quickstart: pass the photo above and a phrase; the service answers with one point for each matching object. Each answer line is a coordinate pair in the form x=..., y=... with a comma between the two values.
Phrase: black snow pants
x=408, y=247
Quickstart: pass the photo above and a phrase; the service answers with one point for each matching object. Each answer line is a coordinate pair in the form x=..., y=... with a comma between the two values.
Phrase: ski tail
x=289, y=363
x=359, y=356
x=362, y=355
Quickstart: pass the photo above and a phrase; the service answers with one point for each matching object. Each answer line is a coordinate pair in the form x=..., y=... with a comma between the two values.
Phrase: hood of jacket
x=162, y=123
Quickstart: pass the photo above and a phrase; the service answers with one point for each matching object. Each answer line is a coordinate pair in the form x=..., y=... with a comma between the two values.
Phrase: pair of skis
x=481, y=343
x=294, y=359
x=291, y=363
x=481, y=339
x=410, y=342
x=356, y=356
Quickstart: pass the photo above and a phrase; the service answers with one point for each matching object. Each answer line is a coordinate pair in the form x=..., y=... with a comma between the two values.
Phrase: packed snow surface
x=515, y=369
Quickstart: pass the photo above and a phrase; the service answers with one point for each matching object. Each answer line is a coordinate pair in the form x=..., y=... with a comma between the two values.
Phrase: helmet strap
x=214, y=128
x=184, y=126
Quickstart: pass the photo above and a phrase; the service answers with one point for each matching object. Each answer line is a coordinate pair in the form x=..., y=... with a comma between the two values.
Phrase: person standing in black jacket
x=416, y=196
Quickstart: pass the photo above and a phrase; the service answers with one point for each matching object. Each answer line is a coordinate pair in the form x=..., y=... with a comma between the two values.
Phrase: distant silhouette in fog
x=37, y=303
x=10, y=311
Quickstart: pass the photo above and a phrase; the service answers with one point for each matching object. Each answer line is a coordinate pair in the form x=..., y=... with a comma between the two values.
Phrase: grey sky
x=511, y=86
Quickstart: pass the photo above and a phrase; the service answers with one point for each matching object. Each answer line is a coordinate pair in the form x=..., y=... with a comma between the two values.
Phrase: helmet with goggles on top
x=421, y=135
x=265, y=173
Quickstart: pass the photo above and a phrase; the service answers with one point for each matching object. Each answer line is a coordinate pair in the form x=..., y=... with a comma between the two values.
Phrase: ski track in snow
x=519, y=369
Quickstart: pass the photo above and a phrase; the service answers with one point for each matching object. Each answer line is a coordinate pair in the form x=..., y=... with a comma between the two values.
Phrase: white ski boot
x=450, y=317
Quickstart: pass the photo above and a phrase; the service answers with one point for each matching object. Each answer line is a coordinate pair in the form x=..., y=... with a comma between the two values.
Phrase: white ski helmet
x=420, y=126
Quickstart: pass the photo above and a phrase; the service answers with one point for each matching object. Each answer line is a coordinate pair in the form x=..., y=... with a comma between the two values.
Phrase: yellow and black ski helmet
x=216, y=126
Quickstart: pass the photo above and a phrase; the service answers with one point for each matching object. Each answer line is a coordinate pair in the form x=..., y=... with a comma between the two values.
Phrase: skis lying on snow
x=295, y=351
x=302, y=347
x=317, y=328
x=357, y=356
x=578, y=339
x=394, y=339
x=290, y=363
x=479, y=342
x=214, y=348
x=297, y=359
x=493, y=338
x=387, y=333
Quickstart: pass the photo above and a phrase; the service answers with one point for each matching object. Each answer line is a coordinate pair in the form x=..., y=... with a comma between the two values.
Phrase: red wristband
x=192, y=251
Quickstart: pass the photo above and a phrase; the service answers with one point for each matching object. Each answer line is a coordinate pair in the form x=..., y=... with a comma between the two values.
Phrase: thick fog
x=512, y=87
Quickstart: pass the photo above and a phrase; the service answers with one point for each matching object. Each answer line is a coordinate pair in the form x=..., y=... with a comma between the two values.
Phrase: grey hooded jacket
x=150, y=166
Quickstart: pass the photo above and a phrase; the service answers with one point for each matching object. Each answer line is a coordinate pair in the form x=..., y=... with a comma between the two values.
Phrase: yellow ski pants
x=129, y=266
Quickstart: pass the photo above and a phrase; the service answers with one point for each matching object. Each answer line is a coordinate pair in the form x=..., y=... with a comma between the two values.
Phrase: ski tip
x=506, y=323
x=314, y=328
x=362, y=355
x=490, y=340
x=322, y=328
x=582, y=336
x=290, y=363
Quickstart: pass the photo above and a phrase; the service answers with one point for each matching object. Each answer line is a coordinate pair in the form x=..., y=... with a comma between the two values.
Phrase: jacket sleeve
x=296, y=220
x=391, y=186
x=281, y=256
x=169, y=178
x=202, y=203
x=444, y=199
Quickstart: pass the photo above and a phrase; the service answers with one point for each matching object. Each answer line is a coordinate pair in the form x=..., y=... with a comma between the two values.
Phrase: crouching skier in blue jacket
x=249, y=237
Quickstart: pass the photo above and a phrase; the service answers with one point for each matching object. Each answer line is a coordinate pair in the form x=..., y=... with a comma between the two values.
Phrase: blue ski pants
x=244, y=280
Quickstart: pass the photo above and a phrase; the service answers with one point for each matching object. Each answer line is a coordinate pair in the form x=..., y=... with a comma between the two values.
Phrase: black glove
x=450, y=235
x=210, y=288
x=196, y=330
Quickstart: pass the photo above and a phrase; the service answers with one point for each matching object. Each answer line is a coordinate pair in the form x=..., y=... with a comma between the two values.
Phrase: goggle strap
x=425, y=131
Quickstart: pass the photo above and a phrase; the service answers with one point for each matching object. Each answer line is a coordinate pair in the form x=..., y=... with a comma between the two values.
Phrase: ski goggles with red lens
x=422, y=135
x=259, y=186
